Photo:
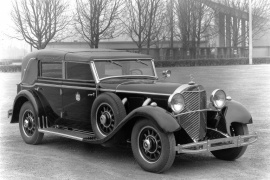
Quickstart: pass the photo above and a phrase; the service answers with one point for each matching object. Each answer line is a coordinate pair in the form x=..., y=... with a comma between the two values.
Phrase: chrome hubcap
x=26, y=123
x=146, y=145
x=103, y=119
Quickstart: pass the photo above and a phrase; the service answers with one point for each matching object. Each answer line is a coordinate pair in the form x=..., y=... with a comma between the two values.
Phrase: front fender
x=165, y=120
x=236, y=112
x=22, y=97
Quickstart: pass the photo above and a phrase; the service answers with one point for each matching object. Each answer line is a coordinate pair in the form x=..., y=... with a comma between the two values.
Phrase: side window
x=51, y=69
x=78, y=71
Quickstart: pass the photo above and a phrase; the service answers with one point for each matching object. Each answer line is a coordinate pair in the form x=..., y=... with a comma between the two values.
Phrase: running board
x=43, y=127
x=68, y=134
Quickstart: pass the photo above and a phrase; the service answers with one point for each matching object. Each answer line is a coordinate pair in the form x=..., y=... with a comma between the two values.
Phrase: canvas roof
x=82, y=54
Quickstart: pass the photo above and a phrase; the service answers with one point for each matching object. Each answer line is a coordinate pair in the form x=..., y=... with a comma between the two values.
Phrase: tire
x=28, y=124
x=233, y=153
x=107, y=112
x=153, y=149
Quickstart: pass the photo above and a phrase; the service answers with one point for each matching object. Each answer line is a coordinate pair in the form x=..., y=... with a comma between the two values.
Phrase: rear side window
x=51, y=69
x=78, y=71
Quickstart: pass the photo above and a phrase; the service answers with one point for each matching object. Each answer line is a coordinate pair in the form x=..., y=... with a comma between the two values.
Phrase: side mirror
x=166, y=73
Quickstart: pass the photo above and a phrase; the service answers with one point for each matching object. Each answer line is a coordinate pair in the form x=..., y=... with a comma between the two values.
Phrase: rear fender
x=22, y=97
x=236, y=112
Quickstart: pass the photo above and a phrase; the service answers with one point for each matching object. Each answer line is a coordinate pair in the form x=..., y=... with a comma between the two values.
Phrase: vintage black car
x=112, y=97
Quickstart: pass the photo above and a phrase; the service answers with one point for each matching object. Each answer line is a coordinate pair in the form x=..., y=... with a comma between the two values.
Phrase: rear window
x=51, y=69
x=78, y=71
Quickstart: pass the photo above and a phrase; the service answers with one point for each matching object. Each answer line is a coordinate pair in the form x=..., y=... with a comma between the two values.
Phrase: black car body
x=109, y=97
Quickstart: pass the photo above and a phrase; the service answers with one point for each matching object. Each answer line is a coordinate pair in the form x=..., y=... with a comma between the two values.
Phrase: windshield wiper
x=111, y=61
x=139, y=61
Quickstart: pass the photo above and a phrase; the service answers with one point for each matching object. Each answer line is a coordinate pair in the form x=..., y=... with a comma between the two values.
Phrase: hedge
x=211, y=62
x=189, y=62
x=10, y=68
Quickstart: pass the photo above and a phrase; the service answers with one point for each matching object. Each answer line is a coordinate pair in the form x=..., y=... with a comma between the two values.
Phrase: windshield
x=124, y=68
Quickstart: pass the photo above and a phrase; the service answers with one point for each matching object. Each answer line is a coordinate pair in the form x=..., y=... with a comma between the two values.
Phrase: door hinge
x=61, y=92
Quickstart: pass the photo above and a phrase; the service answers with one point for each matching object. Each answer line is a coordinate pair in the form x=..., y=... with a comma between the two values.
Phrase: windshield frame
x=97, y=79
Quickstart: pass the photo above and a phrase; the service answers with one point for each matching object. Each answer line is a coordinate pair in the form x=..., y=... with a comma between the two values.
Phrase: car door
x=49, y=84
x=79, y=92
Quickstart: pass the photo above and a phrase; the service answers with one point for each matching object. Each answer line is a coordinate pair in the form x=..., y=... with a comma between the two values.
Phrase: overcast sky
x=5, y=28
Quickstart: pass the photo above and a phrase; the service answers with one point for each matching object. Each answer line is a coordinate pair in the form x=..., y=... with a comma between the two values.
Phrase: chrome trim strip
x=41, y=84
x=78, y=83
x=77, y=87
x=145, y=93
x=105, y=90
x=121, y=59
x=154, y=67
x=51, y=80
x=110, y=77
x=94, y=70
x=60, y=134
x=60, y=86
x=201, y=110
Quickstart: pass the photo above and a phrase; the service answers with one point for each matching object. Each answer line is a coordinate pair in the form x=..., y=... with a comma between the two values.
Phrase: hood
x=142, y=86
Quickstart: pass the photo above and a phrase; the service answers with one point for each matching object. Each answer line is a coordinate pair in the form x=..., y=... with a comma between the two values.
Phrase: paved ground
x=60, y=158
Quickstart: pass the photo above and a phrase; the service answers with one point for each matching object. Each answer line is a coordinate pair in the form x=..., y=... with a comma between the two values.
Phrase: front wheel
x=153, y=149
x=233, y=153
x=28, y=124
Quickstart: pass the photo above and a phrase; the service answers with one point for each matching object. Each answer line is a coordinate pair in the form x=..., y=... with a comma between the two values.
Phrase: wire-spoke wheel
x=153, y=149
x=107, y=112
x=105, y=119
x=233, y=153
x=149, y=143
x=28, y=124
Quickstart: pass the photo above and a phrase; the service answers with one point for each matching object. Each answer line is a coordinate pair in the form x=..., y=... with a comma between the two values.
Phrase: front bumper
x=216, y=144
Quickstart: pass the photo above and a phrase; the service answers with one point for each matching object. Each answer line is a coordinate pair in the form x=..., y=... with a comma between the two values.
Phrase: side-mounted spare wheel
x=28, y=124
x=107, y=112
x=153, y=149
x=233, y=153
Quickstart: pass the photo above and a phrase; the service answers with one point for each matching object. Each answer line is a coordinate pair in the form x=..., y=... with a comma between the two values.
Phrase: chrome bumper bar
x=216, y=144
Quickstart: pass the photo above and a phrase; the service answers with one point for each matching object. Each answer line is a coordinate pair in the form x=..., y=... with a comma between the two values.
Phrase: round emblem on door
x=78, y=97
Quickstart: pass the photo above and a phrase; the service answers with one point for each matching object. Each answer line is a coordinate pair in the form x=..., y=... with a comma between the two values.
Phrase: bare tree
x=98, y=19
x=194, y=20
x=39, y=21
x=155, y=21
x=144, y=21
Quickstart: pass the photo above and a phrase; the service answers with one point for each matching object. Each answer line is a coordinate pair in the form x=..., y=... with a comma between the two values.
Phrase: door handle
x=91, y=94
x=38, y=88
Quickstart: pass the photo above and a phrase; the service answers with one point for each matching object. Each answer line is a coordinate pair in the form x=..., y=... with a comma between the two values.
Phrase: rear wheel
x=28, y=124
x=233, y=153
x=153, y=149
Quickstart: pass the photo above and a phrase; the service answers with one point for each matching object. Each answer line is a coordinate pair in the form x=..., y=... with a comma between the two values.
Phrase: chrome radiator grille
x=192, y=120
